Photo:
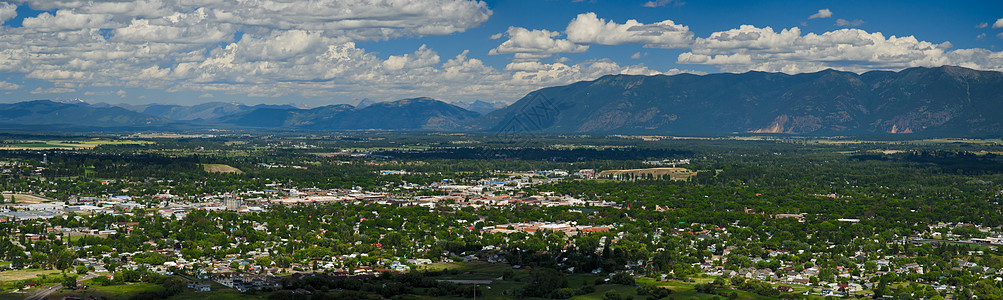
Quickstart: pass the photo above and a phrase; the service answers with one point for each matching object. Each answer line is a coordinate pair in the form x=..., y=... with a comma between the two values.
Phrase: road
x=46, y=292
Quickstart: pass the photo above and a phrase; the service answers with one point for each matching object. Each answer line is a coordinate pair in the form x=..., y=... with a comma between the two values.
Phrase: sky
x=321, y=52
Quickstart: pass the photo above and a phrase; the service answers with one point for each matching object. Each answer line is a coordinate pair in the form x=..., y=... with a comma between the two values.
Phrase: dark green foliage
x=613, y=295
x=544, y=282
x=622, y=278
x=70, y=282
x=653, y=292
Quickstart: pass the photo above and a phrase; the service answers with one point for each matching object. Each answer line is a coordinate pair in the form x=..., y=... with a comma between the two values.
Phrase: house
x=785, y=289
x=200, y=287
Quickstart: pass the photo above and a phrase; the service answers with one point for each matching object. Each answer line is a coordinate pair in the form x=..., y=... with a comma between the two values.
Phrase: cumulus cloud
x=821, y=14
x=982, y=25
x=358, y=19
x=998, y=23
x=789, y=51
x=531, y=44
x=66, y=20
x=424, y=57
x=587, y=28
x=7, y=11
x=257, y=48
x=196, y=27
x=845, y=23
x=9, y=86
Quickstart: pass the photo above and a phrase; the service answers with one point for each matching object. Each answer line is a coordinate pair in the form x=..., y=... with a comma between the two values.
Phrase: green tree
x=70, y=282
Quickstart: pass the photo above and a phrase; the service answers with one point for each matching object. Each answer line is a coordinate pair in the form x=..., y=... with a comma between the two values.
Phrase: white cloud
x=287, y=47
x=195, y=27
x=1000, y=35
x=541, y=75
x=789, y=51
x=55, y=90
x=845, y=23
x=660, y=3
x=587, y=28
x=424, y=57
x=980, y=36
x=720, y=59
x=8, y=86
x=65, y=20
x=534, y=44
x=121, y=93
x=497, y=35
x=355, y=19
x=637, y=55
x=7, y=11
x=982, y=25
x=822, y=13
x=998, y=23
x=525, y=66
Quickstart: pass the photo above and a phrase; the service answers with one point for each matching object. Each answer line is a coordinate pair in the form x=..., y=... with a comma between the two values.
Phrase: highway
x=46, y=292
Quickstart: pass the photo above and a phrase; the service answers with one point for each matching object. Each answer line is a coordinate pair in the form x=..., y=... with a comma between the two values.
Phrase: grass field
x=221, y=295
x=16, y=275
x=684, y=290
x=221, y=168
x=457, y=271
x=480, y=270
x=65, y=144
x=111, y=292
x=27, y=199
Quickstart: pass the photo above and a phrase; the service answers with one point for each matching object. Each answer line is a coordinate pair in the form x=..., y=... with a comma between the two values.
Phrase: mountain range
x=944, y=101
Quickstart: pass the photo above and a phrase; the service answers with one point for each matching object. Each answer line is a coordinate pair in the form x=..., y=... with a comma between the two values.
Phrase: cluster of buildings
x=567, y=228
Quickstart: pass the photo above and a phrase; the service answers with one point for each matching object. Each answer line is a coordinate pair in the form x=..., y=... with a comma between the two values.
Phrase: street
x=46, y=292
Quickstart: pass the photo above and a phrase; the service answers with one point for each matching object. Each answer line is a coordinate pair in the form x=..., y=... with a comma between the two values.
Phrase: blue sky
x=327, y=52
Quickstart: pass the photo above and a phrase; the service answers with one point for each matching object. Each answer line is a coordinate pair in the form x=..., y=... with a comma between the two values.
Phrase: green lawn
x=13, y=296
x=460, y=271
x=479, y=270
x=685, y=290
x=220, y=294
x=111, y=292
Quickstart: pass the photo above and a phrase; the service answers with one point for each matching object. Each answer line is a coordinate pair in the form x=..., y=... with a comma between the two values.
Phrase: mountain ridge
x=945, y=101
x=829, y=102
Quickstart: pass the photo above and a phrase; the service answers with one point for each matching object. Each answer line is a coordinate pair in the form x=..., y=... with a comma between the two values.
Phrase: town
x=262, y=227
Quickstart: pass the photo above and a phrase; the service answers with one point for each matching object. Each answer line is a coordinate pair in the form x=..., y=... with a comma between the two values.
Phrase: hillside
x=45, y=114
x=406, y=114
x=947, y=101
